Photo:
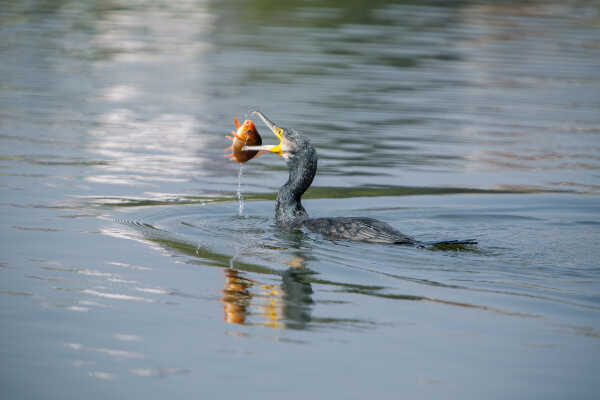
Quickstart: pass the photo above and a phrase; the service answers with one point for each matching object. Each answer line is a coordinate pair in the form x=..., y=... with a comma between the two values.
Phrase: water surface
x=129, y=268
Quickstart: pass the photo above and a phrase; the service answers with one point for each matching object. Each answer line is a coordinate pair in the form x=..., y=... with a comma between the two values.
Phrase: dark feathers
x=301, y=159
x=357, y=228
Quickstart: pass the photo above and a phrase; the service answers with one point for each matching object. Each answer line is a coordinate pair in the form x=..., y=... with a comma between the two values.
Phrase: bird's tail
x=450, y=244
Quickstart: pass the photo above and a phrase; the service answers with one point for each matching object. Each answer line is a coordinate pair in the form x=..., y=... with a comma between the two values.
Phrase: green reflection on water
x=320, y=192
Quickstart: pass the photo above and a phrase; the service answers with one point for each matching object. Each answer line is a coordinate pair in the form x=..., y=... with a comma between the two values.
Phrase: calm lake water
x=129, y=269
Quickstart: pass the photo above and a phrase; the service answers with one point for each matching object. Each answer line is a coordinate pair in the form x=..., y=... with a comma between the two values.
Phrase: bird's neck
x=289, y=209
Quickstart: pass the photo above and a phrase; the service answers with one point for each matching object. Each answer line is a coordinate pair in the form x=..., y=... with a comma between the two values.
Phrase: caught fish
x=244, y=135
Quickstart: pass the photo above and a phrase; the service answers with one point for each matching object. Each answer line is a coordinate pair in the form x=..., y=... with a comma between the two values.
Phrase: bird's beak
x=275, y=129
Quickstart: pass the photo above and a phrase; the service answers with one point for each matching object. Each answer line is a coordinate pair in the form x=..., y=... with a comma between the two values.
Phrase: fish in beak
x=275, y=129
x=245, y=134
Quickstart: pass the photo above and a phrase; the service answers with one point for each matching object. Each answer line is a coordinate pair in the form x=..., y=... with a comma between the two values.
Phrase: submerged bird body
x=357, y=228
x=301, y=159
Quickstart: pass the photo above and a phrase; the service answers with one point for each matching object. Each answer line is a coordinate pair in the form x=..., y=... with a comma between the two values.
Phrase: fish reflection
x=236, y=296
x=287, y=305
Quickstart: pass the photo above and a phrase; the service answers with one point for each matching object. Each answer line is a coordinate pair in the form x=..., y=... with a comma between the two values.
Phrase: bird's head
x=291, y=143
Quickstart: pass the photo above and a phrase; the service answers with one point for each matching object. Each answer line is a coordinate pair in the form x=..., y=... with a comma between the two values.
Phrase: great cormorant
x=301, y=159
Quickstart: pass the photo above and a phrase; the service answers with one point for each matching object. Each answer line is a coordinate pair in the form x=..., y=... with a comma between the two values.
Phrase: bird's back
x=357, y=228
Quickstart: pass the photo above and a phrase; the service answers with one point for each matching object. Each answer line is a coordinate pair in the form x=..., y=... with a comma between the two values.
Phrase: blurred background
x=136, y=261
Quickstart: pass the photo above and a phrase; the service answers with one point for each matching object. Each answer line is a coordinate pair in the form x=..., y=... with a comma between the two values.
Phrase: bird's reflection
x=285, y=305
x=297, y=298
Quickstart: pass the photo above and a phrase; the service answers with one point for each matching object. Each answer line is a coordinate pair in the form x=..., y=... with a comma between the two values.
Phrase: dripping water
x=240, y=196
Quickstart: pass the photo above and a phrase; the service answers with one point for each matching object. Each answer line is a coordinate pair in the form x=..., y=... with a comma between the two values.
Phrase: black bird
x=301, y=159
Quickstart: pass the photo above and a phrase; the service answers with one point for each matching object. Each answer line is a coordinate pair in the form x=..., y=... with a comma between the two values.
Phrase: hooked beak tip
x=270, y=124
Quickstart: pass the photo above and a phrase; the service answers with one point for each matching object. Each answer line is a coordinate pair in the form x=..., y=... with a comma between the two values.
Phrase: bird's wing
x=363, y=229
